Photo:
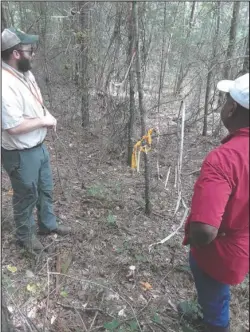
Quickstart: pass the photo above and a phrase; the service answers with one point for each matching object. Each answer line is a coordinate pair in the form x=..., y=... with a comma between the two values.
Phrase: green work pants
x=31, y=178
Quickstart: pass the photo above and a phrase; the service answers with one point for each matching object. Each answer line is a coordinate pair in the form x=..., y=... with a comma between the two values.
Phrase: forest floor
x=103, y=277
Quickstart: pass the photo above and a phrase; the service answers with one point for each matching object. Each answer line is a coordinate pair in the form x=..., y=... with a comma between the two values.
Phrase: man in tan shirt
x=25, y=158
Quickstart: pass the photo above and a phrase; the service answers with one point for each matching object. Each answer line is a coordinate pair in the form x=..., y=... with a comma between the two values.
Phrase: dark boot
x=32, y=245
x=60, y=230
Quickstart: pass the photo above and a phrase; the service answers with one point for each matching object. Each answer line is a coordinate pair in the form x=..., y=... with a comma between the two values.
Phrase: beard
x=24, y=65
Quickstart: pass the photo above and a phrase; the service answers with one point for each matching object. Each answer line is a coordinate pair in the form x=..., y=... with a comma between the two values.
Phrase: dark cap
x=12, y=37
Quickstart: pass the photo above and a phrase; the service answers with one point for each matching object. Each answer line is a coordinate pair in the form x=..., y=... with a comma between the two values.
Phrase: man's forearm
x=201, y=234
x=26, y=126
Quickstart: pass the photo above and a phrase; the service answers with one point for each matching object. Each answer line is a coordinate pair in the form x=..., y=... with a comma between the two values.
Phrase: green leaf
x=119, y=250
x=183, y=268
x=156, y=318
x=186, y=307
x=32, y=288
x=111, y=325
x=141, y=258
x=191, y=308
x=133, y=325
x=111, y=219
x=63, y=293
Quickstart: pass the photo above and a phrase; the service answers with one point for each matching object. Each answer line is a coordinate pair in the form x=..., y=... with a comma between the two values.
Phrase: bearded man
x=25, y=158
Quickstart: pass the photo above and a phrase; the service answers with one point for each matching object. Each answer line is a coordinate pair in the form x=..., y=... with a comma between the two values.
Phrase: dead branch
x=174, y=232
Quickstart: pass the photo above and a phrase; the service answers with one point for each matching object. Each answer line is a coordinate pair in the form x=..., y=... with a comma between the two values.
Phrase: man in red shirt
x=217, y=228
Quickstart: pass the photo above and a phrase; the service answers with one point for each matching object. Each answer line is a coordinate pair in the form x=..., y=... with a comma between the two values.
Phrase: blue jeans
x=213, y=296
x=31, y=179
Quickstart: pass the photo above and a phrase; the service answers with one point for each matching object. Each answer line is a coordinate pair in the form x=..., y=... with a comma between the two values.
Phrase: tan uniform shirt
x=18, y=103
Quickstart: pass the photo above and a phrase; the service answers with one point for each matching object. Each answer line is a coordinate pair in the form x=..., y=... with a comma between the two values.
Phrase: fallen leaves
x=146, y=286
x=32, y=288
x=10, y=192
x=12, y=269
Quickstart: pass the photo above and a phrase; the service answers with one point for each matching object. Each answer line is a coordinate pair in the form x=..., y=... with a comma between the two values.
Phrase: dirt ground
x=108, y=279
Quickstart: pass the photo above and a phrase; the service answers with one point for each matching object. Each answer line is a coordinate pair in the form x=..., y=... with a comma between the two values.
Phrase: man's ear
x=16, y=55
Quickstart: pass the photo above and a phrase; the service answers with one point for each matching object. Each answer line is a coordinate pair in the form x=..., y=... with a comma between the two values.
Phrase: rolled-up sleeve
x=12, y=109
x=211, y=192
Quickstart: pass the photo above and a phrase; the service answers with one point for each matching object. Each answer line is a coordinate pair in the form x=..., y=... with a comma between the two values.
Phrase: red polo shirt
x=221, y=199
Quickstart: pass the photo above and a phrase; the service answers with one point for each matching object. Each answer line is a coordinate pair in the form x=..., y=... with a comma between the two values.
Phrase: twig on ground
x=93, y=322
x=174, y=232
x=158, y=214
x=162, y=327
x=83, y=324
x=167, y=177
x=175, y=177
x=197, y=171
x=84, y=309
x=58, y=269
x=178, y=203
x=161, y=282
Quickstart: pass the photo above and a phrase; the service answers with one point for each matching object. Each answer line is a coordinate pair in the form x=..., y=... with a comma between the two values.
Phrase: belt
x=26, y=149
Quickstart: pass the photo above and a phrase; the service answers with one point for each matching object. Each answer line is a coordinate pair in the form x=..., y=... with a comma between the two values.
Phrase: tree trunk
x=163, y=55
x=117, y=42
x=209, y=76
x=131, y=125
x=232, y=40
x=84, y=8
x=181, y=74
x=245, y=68
x=11, y=18
x=210, y=69
x=227, y=73
x=3, y=17
x=142, y=112
x=115, y=38
x=21, y=16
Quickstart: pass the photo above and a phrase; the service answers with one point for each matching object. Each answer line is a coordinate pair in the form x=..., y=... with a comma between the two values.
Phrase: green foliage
x=133, y=325
x=111, y=326
x=183, y=268
x=111, y=219
x=80, y=36
x=7, y=284
x=156, y=318
x=125, y=247
x=97, y=190
x=63, y=293
x=191, y=308
x=141, y=258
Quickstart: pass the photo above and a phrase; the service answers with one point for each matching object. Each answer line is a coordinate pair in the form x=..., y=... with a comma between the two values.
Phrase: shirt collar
x=23, y=76
x=239, y=132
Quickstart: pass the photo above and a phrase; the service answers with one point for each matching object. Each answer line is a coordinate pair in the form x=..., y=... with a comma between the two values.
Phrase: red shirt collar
x=239, y=132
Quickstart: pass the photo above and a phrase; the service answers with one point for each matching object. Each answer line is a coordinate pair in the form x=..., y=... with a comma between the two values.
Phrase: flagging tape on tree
x=143, y=145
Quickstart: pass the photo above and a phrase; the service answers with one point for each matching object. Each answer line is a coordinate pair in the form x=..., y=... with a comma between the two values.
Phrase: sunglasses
x=31, y=51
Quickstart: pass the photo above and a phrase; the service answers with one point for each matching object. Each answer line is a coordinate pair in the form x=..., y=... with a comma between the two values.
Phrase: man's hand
x=49, y=121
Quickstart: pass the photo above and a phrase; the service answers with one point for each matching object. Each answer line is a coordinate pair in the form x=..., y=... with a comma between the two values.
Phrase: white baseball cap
x=238, y=89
